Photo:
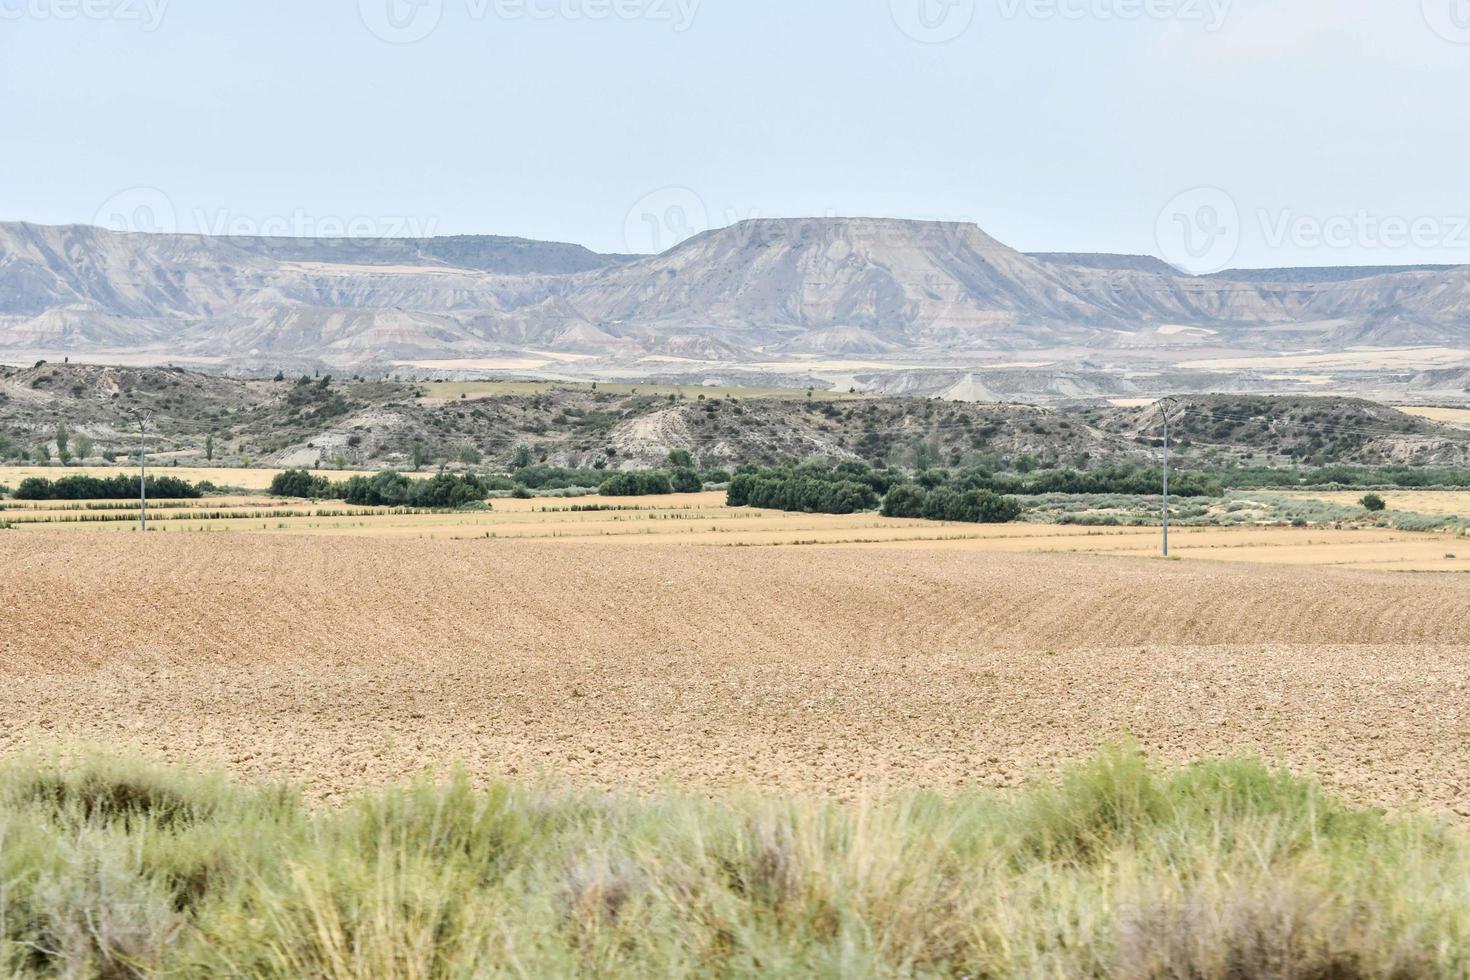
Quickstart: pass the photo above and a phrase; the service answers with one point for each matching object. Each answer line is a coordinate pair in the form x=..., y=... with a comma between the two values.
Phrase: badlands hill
x=366, y=423
x=751, y=292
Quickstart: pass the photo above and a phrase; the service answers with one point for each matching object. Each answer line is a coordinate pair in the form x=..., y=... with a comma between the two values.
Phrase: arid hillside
x=364, y=424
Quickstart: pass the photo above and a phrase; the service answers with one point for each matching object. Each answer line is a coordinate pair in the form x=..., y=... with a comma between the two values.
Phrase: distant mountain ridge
x=1107, y=260
x=783, y=287
x=1320, y=274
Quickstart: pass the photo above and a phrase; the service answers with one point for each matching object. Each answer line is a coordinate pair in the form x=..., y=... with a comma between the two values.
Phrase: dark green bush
x=969, y=506
x=444, y=491
x=301, y=483
x=387, y=489
x=810, y=488
x=120, y=487
x=904, y=500
x=686, y=481
x=544, y=477
x=649, y=483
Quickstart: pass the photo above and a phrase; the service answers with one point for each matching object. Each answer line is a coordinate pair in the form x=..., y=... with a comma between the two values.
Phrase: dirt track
x=348, y=661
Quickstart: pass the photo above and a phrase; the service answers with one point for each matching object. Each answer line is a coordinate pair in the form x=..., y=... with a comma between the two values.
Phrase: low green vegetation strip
x=852, y=487
x=1226, y=869
x=386, y=489
x=120, y=487
x=448, y=490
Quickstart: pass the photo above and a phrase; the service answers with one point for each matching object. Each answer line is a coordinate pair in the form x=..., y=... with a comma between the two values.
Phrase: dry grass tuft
x=1217, y=871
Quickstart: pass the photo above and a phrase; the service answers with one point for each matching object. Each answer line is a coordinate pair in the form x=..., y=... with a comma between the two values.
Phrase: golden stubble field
x=344, y=660
x=704, y=520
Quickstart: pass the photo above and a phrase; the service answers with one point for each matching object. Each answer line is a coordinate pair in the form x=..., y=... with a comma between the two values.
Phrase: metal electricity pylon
x=142, y=418
x=1171, y=411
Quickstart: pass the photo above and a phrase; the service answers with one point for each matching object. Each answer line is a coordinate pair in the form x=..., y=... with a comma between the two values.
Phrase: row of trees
x=810, y=489
x=949, y=504
x=651, y=483
x=450, y=490
x=120, y=487
x=386, y=489
x=852, y=487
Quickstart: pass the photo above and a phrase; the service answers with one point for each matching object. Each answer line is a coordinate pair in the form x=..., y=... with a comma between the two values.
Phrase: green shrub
x=544, y=477
x=120, y=487
x=948, y=503
x=904, y=500
x=302, y=484
x=1373, y=503
x=811, y=488
x=648, y=483
x=686, y=481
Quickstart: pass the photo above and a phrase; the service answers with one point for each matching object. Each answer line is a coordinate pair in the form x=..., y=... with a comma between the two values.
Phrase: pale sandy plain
x=1353, y=359
x=1458, y=417
x=340, y=658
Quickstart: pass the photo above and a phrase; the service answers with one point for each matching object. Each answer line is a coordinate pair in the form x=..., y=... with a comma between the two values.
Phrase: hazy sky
x=1252, y=132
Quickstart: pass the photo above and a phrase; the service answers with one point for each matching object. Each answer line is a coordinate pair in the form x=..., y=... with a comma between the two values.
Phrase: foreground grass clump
x=115, y=868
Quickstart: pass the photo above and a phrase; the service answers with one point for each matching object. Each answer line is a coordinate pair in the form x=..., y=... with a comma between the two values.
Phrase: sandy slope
x=345, y=661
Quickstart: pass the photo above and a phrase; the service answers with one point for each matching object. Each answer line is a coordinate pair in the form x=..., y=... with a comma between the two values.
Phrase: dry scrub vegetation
x=1221, y=870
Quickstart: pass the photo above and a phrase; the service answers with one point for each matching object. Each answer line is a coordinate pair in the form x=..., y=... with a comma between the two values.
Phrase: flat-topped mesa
x=760, y=287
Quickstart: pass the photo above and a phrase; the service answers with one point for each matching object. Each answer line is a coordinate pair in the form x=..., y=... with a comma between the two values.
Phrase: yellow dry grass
x=1451, y=503
x=1459, y=417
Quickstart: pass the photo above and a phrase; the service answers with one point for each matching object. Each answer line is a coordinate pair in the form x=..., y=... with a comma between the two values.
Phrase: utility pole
x=1169, y=409
x=143, y=419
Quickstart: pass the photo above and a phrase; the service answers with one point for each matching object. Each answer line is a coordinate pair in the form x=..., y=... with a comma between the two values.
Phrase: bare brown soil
x=348, y=661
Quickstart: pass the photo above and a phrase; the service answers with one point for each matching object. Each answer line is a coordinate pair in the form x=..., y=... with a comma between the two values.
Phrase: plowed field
x=344, y=661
